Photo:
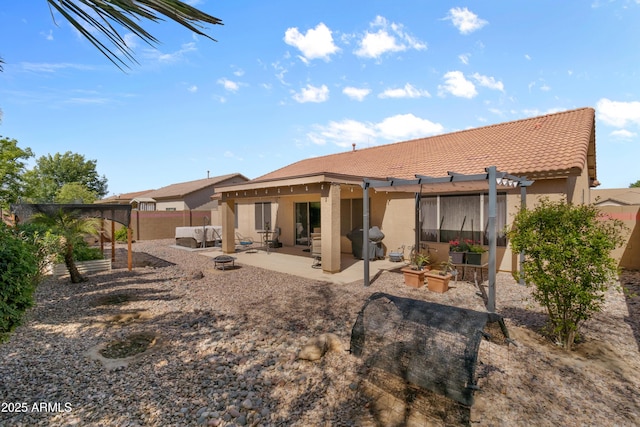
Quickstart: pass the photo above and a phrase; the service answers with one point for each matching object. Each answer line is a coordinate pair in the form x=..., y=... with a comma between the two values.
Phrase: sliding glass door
x=307, y=219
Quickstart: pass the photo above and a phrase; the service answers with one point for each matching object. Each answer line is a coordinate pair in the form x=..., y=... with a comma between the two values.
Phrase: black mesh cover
x=117, y=213
x=430, y=345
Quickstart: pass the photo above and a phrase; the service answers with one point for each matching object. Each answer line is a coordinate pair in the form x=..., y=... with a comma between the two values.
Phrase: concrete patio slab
x=301, y=265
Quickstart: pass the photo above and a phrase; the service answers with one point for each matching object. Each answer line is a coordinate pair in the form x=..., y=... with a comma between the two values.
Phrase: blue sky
x=288, y=80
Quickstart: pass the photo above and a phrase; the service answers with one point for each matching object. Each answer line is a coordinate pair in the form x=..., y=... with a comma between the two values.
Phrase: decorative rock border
x=95, y=352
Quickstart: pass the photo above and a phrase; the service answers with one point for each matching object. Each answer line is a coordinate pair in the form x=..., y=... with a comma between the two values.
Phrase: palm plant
x=71, y=227
x=99, y=15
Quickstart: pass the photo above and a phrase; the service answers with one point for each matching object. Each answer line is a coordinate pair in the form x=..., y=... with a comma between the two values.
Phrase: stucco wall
x=629, y=254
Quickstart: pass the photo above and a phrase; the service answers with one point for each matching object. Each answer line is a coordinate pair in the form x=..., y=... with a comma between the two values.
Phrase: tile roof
x=183, y=188
x=623, y=196
x=123, y=198
x=547, y=146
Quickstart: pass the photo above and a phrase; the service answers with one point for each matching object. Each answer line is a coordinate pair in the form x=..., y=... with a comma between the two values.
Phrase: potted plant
x=414, y=274
x=457, y=249
x=438, y=280
x=476, y=254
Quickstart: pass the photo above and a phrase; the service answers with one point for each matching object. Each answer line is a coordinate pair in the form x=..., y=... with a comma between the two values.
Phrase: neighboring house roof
x=616, y=196
x=124, y=198
x=550, y=146
x=179, y=190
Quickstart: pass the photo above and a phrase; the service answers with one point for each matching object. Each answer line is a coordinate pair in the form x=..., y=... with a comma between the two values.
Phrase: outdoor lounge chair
x=243, y=241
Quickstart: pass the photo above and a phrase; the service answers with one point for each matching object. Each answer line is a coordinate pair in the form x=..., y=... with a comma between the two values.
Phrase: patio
x=293, y=260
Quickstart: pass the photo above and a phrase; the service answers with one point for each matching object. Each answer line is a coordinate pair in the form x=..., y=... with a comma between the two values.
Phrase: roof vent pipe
x=207, y=174
x=353, y=144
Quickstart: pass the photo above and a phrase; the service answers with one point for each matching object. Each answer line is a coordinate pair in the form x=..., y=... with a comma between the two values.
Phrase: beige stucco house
x=182, y=196
x=324, y=194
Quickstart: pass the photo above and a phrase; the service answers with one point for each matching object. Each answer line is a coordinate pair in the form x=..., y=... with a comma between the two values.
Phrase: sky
x=288, y=80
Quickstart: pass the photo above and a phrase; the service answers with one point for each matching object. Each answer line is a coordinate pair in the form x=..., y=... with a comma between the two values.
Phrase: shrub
x=19, y=275
x=568, y=260
x=121, y=234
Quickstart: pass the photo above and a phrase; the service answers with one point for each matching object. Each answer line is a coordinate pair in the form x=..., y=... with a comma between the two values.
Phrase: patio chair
x=243, y=241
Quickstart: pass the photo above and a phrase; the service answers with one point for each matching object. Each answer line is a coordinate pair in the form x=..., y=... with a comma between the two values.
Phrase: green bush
x=82, y=252
x=19, y=275
x=46, y=244
x=568, y=260
x=121, y=235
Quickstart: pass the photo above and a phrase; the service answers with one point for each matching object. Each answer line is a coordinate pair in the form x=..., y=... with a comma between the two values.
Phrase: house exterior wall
x=393, y=212
x=172, y=205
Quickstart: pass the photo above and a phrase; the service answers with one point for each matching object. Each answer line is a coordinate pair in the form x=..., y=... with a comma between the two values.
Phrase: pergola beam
x=494, y=178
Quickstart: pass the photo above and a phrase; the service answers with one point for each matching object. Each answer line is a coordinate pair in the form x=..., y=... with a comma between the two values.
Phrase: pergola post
x=113, y=239
x=416, y=248
x=493, y=198
x=365, y=231
x=523, y=206
x=129, y=253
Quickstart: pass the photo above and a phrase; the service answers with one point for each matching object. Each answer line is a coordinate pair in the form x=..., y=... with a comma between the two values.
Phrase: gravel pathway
x=225, y=353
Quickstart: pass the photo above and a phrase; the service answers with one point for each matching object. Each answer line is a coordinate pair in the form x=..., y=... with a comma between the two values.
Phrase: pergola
x=113, y=212
x=491, y=178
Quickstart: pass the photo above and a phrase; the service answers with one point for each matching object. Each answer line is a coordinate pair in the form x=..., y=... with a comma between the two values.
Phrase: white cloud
x=131, y=40
x=457, y=85
x=280, y=72
x=192, y=88
x=395, y=128
x=527, y=57
x=618, y=114
x=343, y=133
x=488, y=82
x=230, y=155
x=407, y=126
x=545, y=88
x=356, y=93
x=46, y=67
x=229, y=85
x=464, y=20
x=389, y=37
x=156, y=55
x=88, y=101
x=407, y=91
x=623, y=134
x=312, y=94
x=316, y=43
x=464, y=58
x=48, y=36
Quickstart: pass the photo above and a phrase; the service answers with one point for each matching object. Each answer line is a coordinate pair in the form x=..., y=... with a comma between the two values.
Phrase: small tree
x=568, y=259
x=635, y=184
x=71, y=228
x=75, y=192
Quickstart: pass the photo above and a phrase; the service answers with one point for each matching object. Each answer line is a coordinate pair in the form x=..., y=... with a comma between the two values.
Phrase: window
x=235, y=217
x=263, y=216
x=350, y=215
x=445, y=218
x=170, y=209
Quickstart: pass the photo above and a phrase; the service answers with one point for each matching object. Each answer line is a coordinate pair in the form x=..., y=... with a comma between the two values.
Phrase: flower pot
x=456, y=257
x=413, y=278
x=437, y=282
x=476, y=258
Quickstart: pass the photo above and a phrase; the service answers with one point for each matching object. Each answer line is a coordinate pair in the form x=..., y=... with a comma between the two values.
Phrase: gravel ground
x=225, y=350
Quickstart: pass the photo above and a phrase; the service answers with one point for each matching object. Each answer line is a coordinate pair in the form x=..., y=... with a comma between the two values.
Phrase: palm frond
x=100, y=14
